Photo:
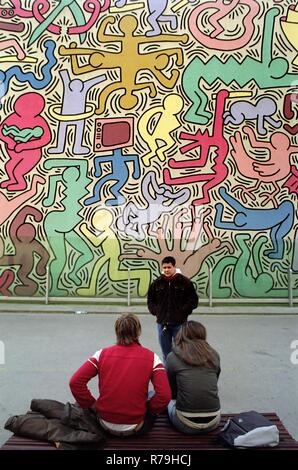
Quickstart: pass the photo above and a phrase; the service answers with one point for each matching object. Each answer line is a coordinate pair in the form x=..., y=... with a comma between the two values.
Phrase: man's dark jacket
x=172, y=300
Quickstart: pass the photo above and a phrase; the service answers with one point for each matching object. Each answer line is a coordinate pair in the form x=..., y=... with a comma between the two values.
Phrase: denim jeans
x=165, y=338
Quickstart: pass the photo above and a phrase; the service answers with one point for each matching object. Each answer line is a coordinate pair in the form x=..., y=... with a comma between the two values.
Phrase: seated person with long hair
x=193, y=369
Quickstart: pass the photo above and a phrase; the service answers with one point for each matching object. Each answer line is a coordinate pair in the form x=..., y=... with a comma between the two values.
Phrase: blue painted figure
x=119, y=174
x=279, y=220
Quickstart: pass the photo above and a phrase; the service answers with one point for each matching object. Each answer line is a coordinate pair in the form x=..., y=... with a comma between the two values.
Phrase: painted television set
x=113, y=133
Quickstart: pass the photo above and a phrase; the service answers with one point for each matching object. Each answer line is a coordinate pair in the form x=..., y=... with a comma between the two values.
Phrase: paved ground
x=42, y=351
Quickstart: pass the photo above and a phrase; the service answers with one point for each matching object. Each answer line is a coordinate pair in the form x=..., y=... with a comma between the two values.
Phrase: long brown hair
x=191, y=345
x=128, y=329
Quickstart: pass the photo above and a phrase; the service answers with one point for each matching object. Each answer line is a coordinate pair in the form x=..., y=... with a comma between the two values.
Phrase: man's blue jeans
x=165, y=338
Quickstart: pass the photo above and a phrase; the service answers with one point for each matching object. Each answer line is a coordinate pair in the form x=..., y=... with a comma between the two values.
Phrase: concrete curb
x=83, y=308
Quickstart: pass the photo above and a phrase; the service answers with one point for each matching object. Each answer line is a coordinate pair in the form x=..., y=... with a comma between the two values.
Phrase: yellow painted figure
x=102, y=235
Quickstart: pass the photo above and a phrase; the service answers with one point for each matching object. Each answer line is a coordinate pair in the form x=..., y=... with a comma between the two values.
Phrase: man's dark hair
x=169, y=259
x=128, y=329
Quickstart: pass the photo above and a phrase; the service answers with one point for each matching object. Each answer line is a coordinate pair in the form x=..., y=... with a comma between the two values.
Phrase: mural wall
x=135, y=129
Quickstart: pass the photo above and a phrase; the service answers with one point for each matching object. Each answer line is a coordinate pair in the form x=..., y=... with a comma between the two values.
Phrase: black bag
x=248, y=430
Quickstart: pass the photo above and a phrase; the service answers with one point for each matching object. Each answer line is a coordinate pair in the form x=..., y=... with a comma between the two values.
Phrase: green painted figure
x=268, y=72
x=60, y=224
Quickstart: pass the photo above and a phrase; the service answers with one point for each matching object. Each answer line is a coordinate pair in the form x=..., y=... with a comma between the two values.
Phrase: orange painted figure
x=274, y=169
x=130, y=44
x=9, y=206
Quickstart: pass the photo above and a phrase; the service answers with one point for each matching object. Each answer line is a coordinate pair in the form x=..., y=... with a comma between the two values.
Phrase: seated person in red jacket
x=124, y=372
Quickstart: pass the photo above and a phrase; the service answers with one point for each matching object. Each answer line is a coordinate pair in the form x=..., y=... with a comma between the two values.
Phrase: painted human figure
x=119, y=175
x=278, y=220
x=160, y=199
x=225, y=13
x=6, y=280
x=7, y=276
x=22, y=234
x=275, y=168
x=248, y=278
x=205, y=140
x=166, y=122
x=262, y=112
x=22, y=135
x=156, y=15
x=9, y=206
x=74, y=104
x=128, y=45
x=101, y=235
x=60, y=224
x=24, y=156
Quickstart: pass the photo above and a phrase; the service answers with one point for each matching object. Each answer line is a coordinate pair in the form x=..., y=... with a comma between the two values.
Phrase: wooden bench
x=162, y=437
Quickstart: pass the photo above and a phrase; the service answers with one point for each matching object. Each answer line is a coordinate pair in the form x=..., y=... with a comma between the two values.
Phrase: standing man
x=171, y=298
x=124, y=372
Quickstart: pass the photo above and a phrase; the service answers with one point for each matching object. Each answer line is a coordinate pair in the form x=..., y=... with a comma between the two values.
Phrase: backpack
x=248, y=430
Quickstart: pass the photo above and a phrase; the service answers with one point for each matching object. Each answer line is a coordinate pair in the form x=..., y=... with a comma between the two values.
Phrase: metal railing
x=47, y=285
x=290, y=287
x=210, y=287
x=210, y=299
x=128, y=287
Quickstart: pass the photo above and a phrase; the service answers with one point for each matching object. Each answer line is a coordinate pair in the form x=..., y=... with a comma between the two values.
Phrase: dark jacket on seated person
x=193, y=387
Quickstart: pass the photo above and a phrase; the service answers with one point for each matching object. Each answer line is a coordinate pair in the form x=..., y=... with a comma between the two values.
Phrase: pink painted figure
x=13, y=43
x=24, y=154
x=237, y=15
x=205, y=140
x=275, y=168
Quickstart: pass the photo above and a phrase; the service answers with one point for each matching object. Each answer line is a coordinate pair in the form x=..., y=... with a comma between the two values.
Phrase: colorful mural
x=132, y=129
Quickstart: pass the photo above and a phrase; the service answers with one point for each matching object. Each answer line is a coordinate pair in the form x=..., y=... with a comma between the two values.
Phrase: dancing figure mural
x=60, y=225
x=74, y=111
x=160, y=199
x=204, y=140
x=101, y=235
x=273, y=169
x=134, y=129
x=129, y=46
x=23, y=237
x=119, y=175
x=158, y=137
x=278, y=220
